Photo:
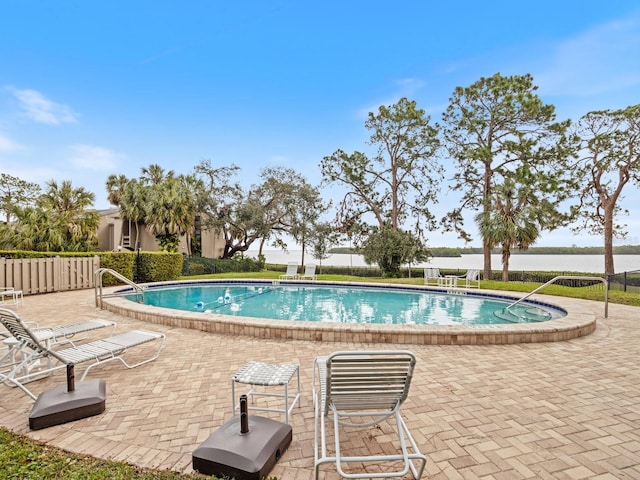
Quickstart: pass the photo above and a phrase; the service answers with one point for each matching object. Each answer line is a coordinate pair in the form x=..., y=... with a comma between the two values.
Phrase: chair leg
x=410, y=457
x=320, y=440
x=21, y=372
x=407, y=457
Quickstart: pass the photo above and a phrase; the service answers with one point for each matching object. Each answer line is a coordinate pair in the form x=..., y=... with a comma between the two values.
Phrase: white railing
x=99, y=295
x=569, y=277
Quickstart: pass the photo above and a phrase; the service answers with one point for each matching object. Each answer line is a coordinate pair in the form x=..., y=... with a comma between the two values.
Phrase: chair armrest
x=319, y=379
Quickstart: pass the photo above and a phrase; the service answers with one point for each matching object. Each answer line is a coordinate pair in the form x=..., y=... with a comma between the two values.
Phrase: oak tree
x=398, y=184
x=611, y=156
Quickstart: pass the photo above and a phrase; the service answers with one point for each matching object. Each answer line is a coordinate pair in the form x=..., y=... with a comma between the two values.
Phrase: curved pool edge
x=579, y=321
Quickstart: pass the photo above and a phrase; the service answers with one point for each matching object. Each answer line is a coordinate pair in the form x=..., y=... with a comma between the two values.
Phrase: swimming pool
x=577, y=323
x=347, y=304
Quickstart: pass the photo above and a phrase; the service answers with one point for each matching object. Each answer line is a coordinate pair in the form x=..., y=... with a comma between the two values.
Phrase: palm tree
x=60, y=221
x=67, y=209
x=170, y=210
x=116, y=187
x=132, y=207
x=164, y=202
x=154, y=174
x=194, y=188
x=512, y=220
x=34, y=231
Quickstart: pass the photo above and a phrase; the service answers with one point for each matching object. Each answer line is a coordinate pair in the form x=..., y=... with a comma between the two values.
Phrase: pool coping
x=576, y=323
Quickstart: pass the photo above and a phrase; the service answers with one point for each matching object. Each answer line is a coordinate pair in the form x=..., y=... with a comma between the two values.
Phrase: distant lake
x=561, y=263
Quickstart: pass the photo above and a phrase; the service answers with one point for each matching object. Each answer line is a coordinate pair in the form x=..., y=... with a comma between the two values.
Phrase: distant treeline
x=459, y=251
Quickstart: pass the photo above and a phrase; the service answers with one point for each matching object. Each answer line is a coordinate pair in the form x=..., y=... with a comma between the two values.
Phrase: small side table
x=16, y=296
x=268, y=375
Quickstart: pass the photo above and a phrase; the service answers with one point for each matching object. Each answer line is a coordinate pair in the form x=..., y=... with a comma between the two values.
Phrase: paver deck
x=561, y=410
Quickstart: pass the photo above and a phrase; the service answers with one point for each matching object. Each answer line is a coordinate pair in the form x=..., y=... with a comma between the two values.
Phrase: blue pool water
x=346, y=304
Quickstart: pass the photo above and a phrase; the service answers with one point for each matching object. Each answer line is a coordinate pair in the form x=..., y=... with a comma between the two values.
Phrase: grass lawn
x=22, y=458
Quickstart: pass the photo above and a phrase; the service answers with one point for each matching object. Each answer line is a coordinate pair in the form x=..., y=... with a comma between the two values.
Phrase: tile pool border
x=577, y=323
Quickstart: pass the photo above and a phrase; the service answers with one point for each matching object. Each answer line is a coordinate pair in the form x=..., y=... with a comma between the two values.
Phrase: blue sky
x=92, y=88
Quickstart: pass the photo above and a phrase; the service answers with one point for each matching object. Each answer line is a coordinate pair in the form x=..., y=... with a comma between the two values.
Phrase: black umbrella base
x=58, y=405
x=245, y=456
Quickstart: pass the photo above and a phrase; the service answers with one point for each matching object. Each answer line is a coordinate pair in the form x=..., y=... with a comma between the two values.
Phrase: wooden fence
x=45, y=275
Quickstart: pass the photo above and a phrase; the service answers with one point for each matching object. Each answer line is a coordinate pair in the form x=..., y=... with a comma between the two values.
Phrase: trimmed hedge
x=206, y=266
x=121, y=262
x=142, y=268
x=158, y=266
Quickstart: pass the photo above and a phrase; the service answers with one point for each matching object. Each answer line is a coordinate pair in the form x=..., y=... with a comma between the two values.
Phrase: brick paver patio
x=564, y=410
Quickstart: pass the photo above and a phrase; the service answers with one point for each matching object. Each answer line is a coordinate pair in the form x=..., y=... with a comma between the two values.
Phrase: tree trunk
x=137, y=234
x=486, y=208
x=231, y=250
x=188, y=242
x=608, y=239
x=506, y=254
x=486, y=250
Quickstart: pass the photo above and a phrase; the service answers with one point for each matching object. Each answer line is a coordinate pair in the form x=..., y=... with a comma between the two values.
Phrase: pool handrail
x=569, y=277
x=138, y=289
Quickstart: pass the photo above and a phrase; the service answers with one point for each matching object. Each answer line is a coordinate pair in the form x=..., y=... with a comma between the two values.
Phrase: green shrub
x=195, y=269
x=143, y=267
x=206, y=266
x=121, y=262
x=158, y=266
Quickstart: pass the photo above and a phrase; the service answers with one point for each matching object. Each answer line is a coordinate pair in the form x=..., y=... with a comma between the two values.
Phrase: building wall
x=212, y=244
x=115, y=234
x=109, y=230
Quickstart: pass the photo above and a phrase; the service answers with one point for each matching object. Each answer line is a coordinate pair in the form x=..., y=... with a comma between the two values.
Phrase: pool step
x=523, y=314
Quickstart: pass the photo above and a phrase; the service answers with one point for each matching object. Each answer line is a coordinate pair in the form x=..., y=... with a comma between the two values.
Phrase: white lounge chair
x=362, y=389
x=291, y=273
x=51, y=336
x=309, y=273
x=471, y=279
x=61, y=333
x=432, y=277
x=34, y=351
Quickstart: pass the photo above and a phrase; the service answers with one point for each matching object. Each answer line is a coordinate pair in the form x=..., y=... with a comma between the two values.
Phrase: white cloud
x=405, y=87
x=601, y=60
x=95, y=158
x=42, y=110
x=7, y=145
